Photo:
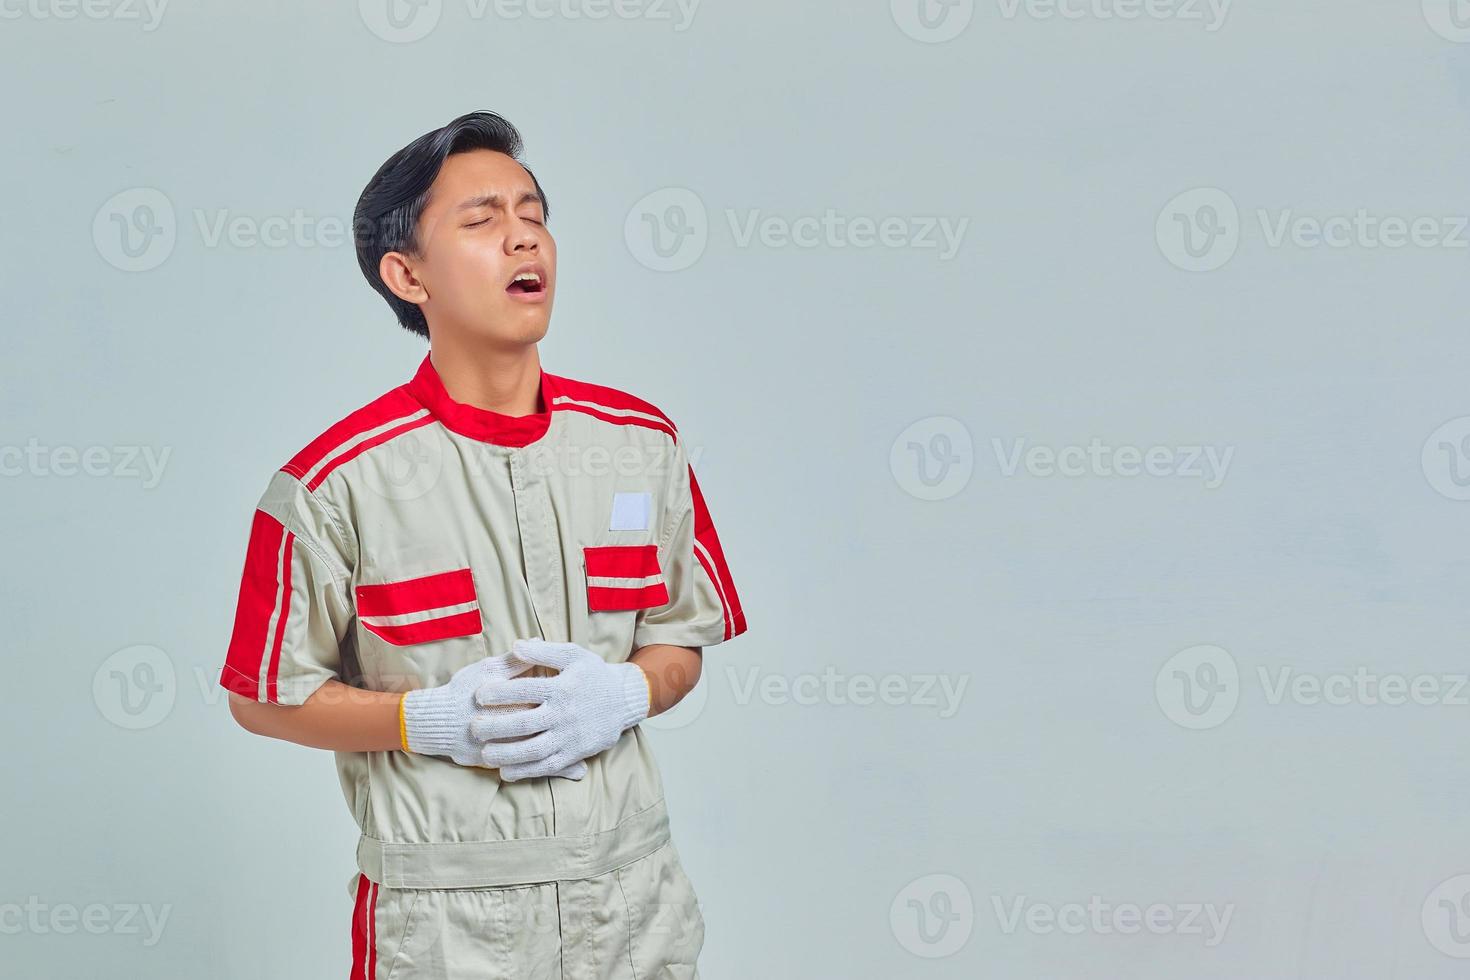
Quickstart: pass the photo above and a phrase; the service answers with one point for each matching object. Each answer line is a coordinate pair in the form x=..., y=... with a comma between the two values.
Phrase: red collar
x=478, y=423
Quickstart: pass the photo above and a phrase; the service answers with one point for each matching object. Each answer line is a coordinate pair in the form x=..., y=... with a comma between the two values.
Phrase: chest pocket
x=623, y=576
x=421, y=610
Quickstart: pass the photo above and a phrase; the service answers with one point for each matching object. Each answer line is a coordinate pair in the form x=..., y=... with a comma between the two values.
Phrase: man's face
x=488, y=264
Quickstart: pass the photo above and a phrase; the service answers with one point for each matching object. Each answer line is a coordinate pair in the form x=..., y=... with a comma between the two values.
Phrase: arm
x=429, y=720
x=294, y=610
x=284, y=660
x=672, y=672
x=337, y=717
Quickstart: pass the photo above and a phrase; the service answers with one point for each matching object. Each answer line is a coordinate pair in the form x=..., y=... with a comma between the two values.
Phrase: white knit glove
x=580, y=711
x=436, y=720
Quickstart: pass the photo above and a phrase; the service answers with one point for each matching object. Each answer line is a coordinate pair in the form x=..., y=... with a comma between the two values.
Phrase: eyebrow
x=495, y=201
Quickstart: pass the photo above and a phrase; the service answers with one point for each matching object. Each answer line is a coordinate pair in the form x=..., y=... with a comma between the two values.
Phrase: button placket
x=540, y=548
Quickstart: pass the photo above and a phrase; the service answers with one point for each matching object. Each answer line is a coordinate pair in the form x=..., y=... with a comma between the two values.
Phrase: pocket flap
x=419, y=610
x=624, y=576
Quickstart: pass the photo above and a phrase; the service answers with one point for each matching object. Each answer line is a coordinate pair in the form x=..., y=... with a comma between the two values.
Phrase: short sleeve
x=294, y=607
x=703, y=607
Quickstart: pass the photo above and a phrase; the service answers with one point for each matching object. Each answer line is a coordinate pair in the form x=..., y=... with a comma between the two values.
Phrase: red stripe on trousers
x=416, y=594
x=259, y=593
x=365, y=930
x=622, y=560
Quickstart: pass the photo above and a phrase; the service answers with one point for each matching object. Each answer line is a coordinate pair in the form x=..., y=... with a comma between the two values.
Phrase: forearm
x=350, y=719
x=337, y=716
x=672, y=673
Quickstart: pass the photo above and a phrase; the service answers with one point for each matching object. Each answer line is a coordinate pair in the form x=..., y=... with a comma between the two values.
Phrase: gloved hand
x=436, y=720
x=581, y=711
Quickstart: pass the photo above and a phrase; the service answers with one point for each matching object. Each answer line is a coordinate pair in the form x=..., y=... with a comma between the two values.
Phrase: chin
x=524, y=329
x=517, y=326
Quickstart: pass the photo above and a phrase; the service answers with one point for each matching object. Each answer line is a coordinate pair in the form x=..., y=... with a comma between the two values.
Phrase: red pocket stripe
x=622, y=560
x=416, y=594
x=604, y=598
x=425, y=631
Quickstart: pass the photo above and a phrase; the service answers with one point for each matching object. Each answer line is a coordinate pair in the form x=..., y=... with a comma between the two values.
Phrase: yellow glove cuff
x=403, y=724
x=649, y=684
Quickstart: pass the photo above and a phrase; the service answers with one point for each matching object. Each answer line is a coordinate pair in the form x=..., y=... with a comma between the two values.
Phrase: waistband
x=523, y=861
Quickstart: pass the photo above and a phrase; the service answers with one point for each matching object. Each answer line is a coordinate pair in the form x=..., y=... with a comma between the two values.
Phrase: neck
x=495, y=379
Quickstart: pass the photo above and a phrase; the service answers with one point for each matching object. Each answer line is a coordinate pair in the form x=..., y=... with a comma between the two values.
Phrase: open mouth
x=526, y=283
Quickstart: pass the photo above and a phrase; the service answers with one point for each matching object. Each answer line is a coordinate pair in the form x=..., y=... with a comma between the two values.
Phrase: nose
x=522, y=239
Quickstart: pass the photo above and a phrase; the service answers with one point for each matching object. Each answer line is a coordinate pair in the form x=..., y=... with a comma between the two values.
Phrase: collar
x=479, y=423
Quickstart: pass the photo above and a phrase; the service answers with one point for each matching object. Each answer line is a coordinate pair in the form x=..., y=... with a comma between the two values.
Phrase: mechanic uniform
x=420, y=534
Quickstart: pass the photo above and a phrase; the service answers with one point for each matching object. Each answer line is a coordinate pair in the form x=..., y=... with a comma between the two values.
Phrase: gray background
x=826, y=838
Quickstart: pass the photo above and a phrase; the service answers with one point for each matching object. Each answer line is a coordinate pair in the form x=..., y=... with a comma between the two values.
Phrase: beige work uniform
x=420, y=534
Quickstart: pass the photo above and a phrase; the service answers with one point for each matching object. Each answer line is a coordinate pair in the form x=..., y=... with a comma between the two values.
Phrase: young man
x=472, y=589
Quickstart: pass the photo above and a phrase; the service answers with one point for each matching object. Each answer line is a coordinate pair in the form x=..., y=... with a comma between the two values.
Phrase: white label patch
x=630, y=512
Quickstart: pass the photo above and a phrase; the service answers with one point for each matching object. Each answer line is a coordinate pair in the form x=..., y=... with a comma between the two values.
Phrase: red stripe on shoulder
x=381, y=410
x=654, y=424
x=348, y=455
x=584, y=391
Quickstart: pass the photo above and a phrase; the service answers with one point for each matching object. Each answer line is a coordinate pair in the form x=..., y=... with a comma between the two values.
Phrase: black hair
x=387, y=214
